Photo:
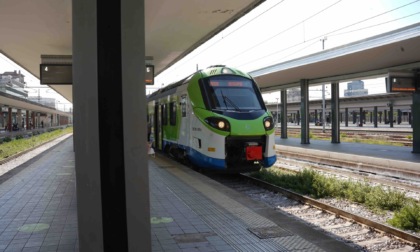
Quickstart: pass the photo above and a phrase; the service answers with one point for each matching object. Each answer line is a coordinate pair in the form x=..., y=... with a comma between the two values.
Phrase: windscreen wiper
x=225, y=98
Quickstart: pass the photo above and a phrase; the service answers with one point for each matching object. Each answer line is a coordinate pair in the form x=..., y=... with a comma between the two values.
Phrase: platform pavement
x=189, y=212
x=38, y=208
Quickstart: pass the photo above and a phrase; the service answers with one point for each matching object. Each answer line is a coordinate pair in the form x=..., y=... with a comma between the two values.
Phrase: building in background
x=13, y=83
x=293, y=94
x=355, y=88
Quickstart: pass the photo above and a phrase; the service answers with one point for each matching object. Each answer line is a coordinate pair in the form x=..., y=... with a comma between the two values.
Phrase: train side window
x=164, y=114
x=172, y=113
x=184, y=106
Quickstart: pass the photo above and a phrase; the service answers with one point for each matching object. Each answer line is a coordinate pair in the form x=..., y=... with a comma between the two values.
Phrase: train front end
x=232, y=129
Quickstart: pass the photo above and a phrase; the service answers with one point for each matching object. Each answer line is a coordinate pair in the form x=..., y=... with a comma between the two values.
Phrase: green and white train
x=214, y=119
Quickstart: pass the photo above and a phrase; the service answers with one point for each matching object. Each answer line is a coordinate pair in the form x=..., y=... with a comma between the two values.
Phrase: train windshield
x=232, y=93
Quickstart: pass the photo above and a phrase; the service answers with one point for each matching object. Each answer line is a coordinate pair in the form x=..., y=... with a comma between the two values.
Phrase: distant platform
x=404, y=127
x=389, y=159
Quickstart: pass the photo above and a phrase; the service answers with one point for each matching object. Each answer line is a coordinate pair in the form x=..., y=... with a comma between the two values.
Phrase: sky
x=278, y=31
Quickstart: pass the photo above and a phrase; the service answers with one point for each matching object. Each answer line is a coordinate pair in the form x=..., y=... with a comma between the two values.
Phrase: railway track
x=395, y=136
x=363, y=233
x=409, y=178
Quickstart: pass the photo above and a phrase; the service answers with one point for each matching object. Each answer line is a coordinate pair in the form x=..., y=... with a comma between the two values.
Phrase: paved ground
x=38, y=208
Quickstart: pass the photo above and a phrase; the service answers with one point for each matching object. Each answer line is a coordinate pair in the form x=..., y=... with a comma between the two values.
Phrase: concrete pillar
x=27, y=120
x=410, y=116
x=19, y=118
x=346, y=117
x=361, y=117
x=33, y=120
x=335, y=110
x=38, y=119
x=1, y=117
x=304, y=110
x=9, y=119
x=386, y=116
x=283, y=94
x=111, y=169
x=399, y=116
x=375, y=117
x=416, y=121
x=391, y=116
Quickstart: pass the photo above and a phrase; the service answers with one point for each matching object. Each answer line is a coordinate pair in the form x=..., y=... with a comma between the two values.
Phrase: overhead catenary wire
x=375, y=25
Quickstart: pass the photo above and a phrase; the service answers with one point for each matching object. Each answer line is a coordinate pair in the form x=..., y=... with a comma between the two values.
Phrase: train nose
x=250, y=129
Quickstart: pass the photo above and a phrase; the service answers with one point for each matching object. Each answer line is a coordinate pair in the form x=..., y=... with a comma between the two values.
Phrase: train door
x=184, y=133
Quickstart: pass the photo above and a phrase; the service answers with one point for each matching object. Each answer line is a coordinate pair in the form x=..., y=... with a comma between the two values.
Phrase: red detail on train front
x=253, y=152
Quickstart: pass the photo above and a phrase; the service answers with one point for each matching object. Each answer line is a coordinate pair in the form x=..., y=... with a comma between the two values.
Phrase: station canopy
x=33, y=28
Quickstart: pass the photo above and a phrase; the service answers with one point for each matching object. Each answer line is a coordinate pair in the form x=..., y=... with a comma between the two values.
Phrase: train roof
x=208, y=71
x=169, y=87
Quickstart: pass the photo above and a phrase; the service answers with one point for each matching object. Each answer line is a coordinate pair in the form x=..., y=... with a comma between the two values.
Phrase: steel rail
x=307, y=200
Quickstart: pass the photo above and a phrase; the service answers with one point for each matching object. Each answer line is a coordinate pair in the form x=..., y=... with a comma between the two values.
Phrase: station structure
x=22, y=112
x=108, y=42
x=378, y=109
x=388, y=55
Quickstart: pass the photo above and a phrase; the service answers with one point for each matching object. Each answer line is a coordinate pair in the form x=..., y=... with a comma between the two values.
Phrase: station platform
x=399, y=158
x=189, y=212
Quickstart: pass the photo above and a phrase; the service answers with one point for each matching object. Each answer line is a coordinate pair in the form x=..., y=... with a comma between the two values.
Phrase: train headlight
x=218, y=123
x=268, y=123
x=221, y=124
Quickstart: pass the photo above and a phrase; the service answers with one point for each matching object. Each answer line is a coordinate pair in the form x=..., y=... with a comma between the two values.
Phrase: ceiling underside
x=393, y=51
x=173, y=29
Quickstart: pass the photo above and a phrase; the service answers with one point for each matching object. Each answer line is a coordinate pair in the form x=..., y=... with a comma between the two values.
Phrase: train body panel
x=206, y=147
x=185, y=120
x=215, y=119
